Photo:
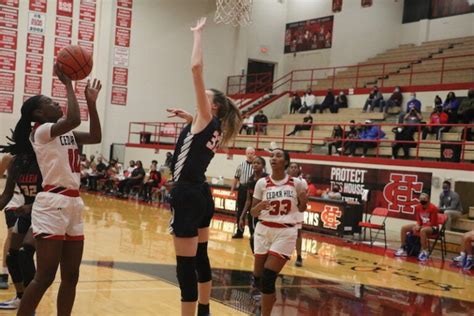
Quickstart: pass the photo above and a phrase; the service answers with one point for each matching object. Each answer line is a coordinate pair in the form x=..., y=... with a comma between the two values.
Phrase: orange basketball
x=75, y=62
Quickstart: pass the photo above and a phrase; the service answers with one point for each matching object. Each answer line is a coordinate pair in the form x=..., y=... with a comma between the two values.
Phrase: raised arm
x=73, y=116
x=94, y=136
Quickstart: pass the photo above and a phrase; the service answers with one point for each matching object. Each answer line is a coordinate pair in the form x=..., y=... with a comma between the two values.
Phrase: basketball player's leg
x=48, y=256
x=186, y=248
x=70, y=262
x=204, y=272
x=299, y=246
x=13, y=263
x=4, y=273
x=26, y=254
x=272, y=267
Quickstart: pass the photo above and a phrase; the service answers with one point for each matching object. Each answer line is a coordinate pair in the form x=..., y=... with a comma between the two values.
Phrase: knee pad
x=268, y=281
x=187, y=279
x=26, y=262
x=203, y=267
x=14, y=266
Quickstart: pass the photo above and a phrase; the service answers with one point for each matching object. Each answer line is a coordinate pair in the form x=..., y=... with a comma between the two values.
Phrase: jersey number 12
x=74, y=161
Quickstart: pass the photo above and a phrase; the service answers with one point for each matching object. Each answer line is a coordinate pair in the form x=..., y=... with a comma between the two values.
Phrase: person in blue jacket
x=369, y=136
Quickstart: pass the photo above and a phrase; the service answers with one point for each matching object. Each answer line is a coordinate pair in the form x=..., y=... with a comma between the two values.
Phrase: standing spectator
x=306, y=126
x=403, y=134
x=241, y=179
x=261, y=121
x=341, y=102
x=136, y=178
x=374, y=100
x=334, y=194
x=295, y=104
x=169, y=159
x=312, y=190
x=308, y=101
x=336, y=137
x=328, y=102
x=450, y=204
x=369, y=136
x=247, y=125
x=350, y=135
x=437, y=118
x=394, y=100
x=413, y=103
x=426, y=224
x=450, y=107
x=466, y=112
x=438, y=100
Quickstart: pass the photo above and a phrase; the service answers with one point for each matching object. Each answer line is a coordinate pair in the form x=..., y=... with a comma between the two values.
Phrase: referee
x=242, y=175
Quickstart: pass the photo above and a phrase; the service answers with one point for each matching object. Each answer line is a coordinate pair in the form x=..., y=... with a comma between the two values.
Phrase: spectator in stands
x=169, y=159
x=394, y=100
x=306, y=126
x=261, y=121
x=413, y=103
x=350, y=135
x=438, y=100
x=403, y=134
x=328, y=102
x=112, y=176
x=130, y=169
x=153, y=181
x=92, y=161
x=369, y=136
x=247, y=125
x=341, y=102
x=374, y=100
x=450, y=204
x=98, y=172
x=426, y=224
x=450, y=107
x=465, y=259
x=312, y=191
x=466, y=112
x=334, y=194
x=308, y=101
x=437, y=118
x=136, y=178
x=84, y=165
x=295, y=104
x=337, y=134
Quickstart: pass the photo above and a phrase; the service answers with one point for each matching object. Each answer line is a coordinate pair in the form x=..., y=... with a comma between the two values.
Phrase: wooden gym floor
x=129, y=269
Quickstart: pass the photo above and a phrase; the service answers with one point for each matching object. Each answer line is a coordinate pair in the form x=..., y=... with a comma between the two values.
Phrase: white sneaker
x=14, y=303
x=400, y=253
x=460, y=258
x=423, y=256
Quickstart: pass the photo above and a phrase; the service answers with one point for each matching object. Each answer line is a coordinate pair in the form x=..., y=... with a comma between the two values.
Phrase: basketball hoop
x=235, y=12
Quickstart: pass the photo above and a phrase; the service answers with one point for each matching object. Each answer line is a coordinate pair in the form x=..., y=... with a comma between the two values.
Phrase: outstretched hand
x=199, y=25
x=180, y=113
x=92, y=92
x=61, y=76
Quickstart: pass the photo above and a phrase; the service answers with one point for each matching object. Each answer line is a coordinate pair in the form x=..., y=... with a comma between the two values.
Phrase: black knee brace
x=14, y=266
x=203, y=267
x=186, y=272
x=27, y=264
x=268, y=281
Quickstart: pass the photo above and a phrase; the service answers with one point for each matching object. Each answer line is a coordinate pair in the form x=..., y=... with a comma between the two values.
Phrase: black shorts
x=192, y=206
x=10, y=217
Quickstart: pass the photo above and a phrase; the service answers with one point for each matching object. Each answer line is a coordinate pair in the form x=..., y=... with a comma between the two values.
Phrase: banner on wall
x=336, y=6
x=443, y=8
x=398, y=191
x=309, y=35
x=366, y=3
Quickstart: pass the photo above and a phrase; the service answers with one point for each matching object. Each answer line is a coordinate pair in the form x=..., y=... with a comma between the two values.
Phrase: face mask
x=423, y=202
x=412, y=97
x=445, y=190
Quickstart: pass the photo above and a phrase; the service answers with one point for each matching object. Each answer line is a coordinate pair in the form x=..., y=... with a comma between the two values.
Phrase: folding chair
x=379, y=211
x=439, y=236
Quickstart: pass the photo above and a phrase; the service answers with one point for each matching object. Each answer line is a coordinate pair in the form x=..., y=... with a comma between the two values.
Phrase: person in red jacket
x=437, y=119
x=426, y=214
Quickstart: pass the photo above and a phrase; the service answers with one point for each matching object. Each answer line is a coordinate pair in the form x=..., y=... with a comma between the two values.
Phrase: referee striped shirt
x=244, y=172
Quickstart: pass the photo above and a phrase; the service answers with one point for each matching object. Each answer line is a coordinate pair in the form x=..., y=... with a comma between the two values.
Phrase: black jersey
x=29, y=177
x=194, y=152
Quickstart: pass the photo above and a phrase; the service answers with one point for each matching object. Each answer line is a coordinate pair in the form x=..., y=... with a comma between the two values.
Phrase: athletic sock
x=203, y=309
x=19, y=295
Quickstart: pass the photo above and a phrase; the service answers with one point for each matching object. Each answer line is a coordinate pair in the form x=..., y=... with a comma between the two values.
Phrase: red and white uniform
x=16, y=201
x=57, y=211
x=277, y=229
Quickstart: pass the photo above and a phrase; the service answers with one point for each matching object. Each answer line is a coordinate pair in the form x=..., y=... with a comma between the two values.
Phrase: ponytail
x=229, y=115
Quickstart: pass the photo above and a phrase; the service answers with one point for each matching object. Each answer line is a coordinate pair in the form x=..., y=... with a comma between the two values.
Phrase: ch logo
x=448, y=153
x=330, y=215
x=399, y=192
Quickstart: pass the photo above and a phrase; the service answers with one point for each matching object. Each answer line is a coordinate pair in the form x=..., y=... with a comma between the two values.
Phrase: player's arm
x=73, y=117
x=181, y=114
x=257, y=204
x=9, y=186
x=302, y=199
x=246, y=209
x=94, y=136
x=204, y=112
x=4, y=163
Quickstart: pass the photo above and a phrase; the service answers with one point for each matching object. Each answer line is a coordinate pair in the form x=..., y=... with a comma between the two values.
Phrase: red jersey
x=312, y=191
x=427, y=217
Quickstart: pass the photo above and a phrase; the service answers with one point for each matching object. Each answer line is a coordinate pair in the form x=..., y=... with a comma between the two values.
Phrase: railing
x=318, y=134
x=251, y=83
x=361, y=74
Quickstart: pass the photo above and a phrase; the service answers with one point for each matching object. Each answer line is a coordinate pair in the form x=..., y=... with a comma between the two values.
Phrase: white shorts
x=279, y=242
x=56, y=216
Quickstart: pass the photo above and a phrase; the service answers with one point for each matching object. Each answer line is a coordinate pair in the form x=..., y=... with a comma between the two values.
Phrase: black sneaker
x=238, y=236
x=4, y=281
x=299, y=261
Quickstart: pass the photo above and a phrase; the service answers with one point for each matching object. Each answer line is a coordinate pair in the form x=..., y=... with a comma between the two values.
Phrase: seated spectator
x=130, y=169
x=247, y=126
x=111, y=176
x=413, y=103
x=334, y=194
x=450, y=204
x=426, y=224
x=350, y=135
x=369, y=136
x=261, y=121
x=341, y=102
x=465, y=259
x=466, y=112
x=308, y=101
x=328, y=103
x=84, y=166
x=394, y=100
x=437, y=118
x=98, y=172
x=450, y=107
x=154, y=181
x=295, y=104
x=312, y=191
x=374, y=100
x=402, y=134
x=135, y=178
x=337, y=134
x=306, y=126
x=438, y=100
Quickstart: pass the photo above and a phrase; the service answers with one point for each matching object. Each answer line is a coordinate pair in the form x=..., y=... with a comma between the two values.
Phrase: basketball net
x=235, y=12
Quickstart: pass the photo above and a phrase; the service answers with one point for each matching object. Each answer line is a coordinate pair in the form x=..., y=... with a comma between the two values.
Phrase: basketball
x=75, y=61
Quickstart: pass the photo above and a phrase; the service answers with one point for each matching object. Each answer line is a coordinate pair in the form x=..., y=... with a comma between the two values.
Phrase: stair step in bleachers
x=464, y=224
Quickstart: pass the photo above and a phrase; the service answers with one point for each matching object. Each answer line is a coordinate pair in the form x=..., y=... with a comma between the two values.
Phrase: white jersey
x=304, y=187
x=283, y=198
x=58, y=157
